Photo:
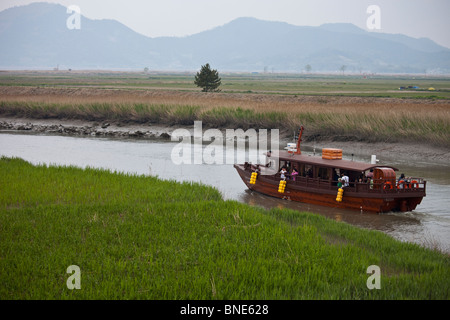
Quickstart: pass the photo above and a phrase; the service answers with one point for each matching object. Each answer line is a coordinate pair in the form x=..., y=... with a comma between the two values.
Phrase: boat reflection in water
x=389, y=223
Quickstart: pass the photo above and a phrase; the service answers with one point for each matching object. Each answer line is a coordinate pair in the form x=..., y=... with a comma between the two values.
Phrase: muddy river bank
x=410, y=152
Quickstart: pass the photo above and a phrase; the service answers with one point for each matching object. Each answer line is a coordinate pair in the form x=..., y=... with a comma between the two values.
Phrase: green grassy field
x=292, y=84
x=136, y=237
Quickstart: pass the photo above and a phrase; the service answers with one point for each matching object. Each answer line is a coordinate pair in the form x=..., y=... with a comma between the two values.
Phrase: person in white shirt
x=345, y=180
x=283, y=172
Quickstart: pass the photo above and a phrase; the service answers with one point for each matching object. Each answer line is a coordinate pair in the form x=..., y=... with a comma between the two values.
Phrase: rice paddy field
x=343, y=108
x=388, y=86
x=137, y=237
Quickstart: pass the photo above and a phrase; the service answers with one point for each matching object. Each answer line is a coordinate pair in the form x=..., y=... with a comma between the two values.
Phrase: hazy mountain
x=36, y=36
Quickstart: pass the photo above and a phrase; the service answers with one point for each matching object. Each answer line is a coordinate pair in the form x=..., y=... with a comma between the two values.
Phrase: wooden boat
x=317, y=181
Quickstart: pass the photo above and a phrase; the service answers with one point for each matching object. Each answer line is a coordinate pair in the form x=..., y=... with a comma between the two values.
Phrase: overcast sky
x=416, y=18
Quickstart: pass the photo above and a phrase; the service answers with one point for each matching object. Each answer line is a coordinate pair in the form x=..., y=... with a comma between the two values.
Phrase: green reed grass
x=389, y=127
x=348, y=123
x=137, y=237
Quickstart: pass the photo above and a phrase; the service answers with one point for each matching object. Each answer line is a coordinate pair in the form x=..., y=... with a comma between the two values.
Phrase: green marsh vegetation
x=137, y=237
x=387, y=122
x=269, y=83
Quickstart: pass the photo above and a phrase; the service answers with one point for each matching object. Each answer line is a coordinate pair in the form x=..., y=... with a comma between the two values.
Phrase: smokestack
x=373, y=160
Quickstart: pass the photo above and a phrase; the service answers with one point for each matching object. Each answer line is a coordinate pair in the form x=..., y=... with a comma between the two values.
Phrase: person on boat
x=339, y=184
x=268, y=155
x=335, y=177
x=294, y=174
x=358, y=181
x=283, y=172
x=288, y=166
x=345, y=180
x=401, y=181
x=370, y=182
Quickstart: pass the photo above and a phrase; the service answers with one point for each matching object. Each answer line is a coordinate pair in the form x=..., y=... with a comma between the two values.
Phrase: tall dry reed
x=349, y=118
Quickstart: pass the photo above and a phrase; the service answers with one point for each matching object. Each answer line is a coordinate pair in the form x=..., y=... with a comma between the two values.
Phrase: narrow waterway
x=428, y=225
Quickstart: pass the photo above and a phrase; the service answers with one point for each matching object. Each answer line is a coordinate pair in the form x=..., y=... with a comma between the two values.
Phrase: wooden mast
x=298, y=151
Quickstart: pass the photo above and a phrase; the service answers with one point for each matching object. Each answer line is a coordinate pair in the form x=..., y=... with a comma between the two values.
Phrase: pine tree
x=208, y=79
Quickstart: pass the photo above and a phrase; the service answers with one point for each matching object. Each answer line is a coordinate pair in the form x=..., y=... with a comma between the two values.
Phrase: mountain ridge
x=36, y=36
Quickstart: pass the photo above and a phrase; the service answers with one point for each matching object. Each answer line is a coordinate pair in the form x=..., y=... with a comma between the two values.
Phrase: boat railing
x=379, y=186
x=409, y=186
x=387, y=186
x=308, y=182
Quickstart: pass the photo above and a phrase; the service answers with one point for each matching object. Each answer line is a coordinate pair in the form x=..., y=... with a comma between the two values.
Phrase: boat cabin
x=320, y=172
x=326, y=170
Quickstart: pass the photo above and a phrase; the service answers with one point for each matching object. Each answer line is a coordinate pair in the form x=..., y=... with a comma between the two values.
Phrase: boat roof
x=318, y=161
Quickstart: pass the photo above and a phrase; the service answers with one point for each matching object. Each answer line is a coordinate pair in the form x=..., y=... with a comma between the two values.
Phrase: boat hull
x=376, y=202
